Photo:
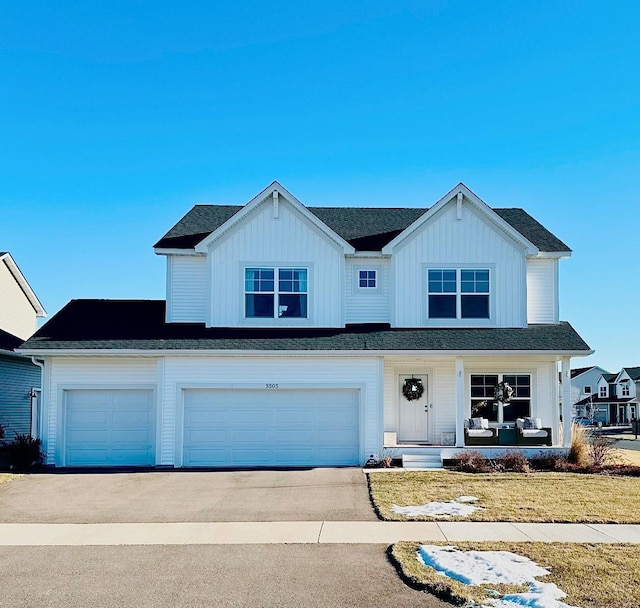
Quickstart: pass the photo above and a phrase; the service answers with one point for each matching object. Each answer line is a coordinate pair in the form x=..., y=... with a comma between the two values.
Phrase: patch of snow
x=492, y=567
x=457, y=506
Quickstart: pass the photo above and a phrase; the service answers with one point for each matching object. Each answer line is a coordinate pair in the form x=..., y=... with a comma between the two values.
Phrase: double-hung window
x=625, y=388
x=275, y=293
x=483, y=404
x=603, y=391
x=458, y=293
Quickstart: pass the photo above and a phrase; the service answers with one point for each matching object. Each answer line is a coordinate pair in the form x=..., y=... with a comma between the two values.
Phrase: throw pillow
x=475, y=424
x=529, y=423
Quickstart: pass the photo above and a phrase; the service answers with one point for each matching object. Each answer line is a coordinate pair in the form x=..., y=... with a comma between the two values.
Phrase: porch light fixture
x=412, y=389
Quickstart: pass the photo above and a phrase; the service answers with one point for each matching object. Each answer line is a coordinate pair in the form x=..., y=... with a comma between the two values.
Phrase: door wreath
x=412, y=389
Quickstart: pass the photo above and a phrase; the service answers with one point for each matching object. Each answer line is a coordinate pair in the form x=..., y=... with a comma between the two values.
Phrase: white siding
x=17, y=316
x=257, y=372
x=367, y=305
x=187, y=288
x=88, y=372
x=290, y=240
x=447, y=241
x=542, y=290
x=442, y=386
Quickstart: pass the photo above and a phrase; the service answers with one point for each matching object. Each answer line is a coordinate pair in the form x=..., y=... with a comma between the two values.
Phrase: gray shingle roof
x=140, y=324
x=366, y=228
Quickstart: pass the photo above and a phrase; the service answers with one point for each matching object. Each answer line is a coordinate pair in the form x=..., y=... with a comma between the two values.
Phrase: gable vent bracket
x=276, y=211
x=459, y=206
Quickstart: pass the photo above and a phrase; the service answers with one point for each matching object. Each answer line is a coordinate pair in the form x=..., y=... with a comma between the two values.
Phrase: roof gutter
x=124, y=352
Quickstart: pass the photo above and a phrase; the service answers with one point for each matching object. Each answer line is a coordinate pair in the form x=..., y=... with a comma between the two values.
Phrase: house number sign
x=272, y=385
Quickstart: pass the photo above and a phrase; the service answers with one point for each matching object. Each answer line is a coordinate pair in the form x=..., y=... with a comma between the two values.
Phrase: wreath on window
x=412, y=389
x=503, y=392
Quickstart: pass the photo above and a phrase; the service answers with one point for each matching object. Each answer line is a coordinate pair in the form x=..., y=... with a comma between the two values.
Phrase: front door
x=413, y=414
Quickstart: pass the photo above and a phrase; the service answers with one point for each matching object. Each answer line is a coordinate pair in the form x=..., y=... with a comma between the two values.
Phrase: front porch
x=430, y=424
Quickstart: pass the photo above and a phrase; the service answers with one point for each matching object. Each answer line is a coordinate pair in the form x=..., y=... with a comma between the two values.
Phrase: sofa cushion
x=480, y=433
x=478, y=423
x=535, y=433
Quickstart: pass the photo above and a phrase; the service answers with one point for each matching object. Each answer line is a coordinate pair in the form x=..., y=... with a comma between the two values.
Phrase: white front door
x=413, y=424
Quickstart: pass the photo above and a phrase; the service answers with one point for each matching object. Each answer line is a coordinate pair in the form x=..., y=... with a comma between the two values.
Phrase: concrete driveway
x=323, y=494
x=282, y=576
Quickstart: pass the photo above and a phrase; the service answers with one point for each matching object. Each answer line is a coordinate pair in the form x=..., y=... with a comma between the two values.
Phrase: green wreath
x=412, y=389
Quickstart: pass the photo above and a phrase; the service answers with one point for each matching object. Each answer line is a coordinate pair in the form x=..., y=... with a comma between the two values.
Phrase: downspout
x=35, y=414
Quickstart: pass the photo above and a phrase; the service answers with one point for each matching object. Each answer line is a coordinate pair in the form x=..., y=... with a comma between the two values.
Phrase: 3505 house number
x=268, y=385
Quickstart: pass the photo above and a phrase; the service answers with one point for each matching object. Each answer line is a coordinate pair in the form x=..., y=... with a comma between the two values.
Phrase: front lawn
x=516, y=497
x=592, y=575
x=8, y=477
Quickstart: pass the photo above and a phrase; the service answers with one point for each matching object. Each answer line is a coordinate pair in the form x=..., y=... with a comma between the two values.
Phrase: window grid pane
x=367, y=278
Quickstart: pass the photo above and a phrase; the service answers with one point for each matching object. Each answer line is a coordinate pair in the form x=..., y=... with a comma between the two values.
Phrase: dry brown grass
x=627, y=456
x=592, y=575
x=4, y=477
x=532, y=497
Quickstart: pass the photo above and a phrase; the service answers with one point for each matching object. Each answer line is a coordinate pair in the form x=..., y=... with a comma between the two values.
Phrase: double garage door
x=220, y=428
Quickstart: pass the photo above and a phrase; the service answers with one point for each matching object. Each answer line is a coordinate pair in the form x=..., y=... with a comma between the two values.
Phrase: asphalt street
x=282, y=576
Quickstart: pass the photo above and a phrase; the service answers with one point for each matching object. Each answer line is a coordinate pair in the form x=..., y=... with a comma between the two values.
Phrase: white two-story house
x=296, y=335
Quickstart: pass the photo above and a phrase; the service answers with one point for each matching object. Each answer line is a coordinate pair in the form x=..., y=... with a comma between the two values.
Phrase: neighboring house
x=296, y=335
x=19, y=377
x=616, y=399
x=584, y=385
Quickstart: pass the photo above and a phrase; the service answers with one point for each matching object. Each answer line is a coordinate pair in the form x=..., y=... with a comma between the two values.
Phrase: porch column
x=459, y=402
x=566, y=402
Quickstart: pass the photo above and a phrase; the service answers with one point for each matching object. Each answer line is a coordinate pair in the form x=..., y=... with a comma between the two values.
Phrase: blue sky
x=117, y=117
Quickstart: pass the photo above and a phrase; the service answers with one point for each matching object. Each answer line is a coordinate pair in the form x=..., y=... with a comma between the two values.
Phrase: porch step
x=422, y=461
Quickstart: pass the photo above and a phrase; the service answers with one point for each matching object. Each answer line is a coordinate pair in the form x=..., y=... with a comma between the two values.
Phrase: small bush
x=601, y=451
x=24, y=452
x=471, y=462
x=512, y=461
x=549, y=461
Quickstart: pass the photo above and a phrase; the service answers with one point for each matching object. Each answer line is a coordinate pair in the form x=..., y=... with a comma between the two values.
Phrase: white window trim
x=603, y=391
x=458, y=321
x=356, y=279
x=501, y=375
x=275, y=321
x=587, y=392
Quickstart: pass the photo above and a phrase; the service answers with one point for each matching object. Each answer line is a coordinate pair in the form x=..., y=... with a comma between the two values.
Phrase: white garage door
x=109, y=428
x=270, y=427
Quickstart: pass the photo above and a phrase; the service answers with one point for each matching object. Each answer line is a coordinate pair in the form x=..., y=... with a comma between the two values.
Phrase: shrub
x=512, y=461
x=601, y=451
x=24, y=452
x=471, y=462
x=549, y=461
x=579, y=452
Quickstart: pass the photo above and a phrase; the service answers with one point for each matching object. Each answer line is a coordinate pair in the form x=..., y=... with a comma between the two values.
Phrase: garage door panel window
x=276, y=293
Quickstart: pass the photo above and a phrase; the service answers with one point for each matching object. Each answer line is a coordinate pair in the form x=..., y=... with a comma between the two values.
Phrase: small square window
x=367, y=279
x=587, y=390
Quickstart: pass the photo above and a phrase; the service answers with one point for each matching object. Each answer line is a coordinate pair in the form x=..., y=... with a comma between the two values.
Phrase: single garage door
x=278, y=427
x=109, y=428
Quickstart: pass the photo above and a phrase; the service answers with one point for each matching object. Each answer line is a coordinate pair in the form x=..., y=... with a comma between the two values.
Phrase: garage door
x=109, y=428
x=270, y=427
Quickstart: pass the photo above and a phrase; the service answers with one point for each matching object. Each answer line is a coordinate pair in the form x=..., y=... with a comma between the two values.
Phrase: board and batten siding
x=87, y=373
x=17, y=316
x=282, y=373
x=17, y=377
x=442, y=388
x=187, y=287
x=471, y=242
x=264, y=241
x=542, y=290
x=366, y=305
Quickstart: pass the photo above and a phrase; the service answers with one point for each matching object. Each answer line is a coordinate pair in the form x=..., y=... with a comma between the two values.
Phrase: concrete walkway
x=307, y=532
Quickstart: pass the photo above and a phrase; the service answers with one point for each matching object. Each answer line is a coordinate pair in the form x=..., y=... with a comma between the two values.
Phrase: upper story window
x=274, y=293
x=367, y=279
x=603, y=391
x=587, y=390
x=458, y=294
x=625, y=389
